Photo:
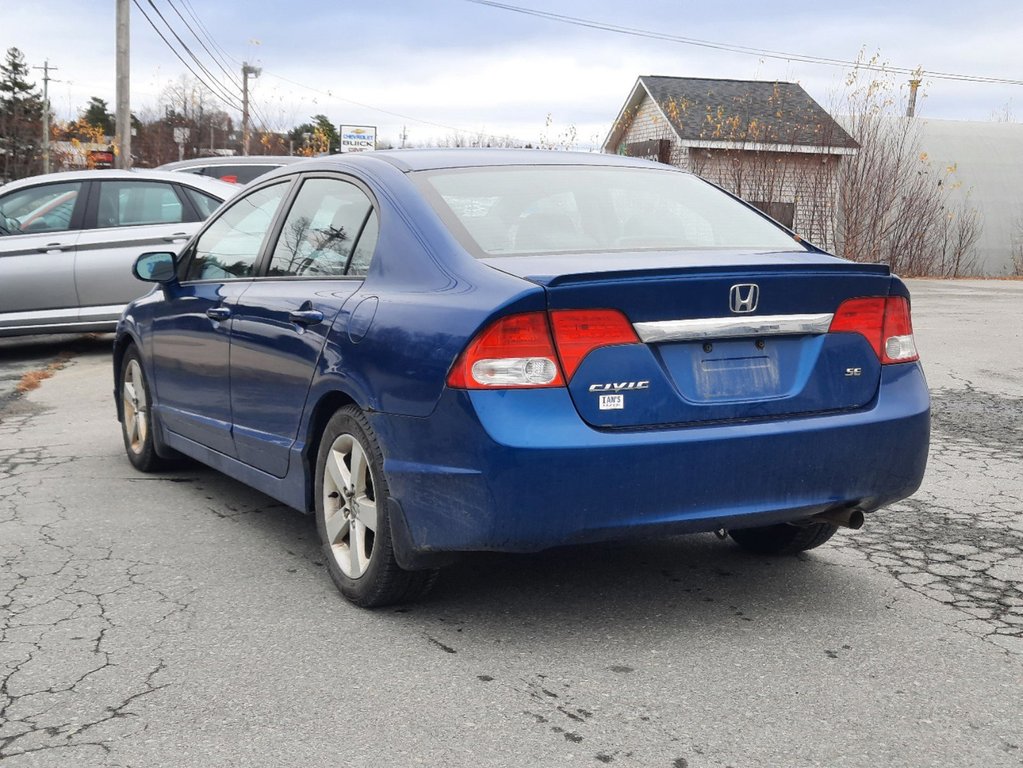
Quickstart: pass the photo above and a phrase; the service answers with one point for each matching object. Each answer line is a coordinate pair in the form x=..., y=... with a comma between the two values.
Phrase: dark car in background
x=68, y=240
x=237, y=170
x=446, y=351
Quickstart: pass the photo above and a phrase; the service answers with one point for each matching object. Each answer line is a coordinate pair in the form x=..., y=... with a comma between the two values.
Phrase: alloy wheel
x=136, y=418
x=349, y=506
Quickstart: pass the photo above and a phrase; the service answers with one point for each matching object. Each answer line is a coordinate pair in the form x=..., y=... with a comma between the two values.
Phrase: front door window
x=231, y=245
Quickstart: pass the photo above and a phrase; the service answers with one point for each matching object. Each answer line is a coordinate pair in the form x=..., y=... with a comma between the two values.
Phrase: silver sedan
x=68, y=240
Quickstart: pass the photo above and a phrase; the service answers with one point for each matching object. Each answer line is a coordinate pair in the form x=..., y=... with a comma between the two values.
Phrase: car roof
x=411, y=160
x=221, y=189
x=202, y=162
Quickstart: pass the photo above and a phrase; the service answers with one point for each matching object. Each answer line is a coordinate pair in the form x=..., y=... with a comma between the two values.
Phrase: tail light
x=577, y=332
x=884, y=322
x=519, y=350
x=513, y=351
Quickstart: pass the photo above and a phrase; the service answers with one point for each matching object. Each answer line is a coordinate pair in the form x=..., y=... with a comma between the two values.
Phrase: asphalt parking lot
x=184, y=620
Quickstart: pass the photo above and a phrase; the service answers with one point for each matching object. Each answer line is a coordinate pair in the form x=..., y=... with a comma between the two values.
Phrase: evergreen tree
x=21, y=114
x=317, y=136
x=98, y=114
x=327, y=128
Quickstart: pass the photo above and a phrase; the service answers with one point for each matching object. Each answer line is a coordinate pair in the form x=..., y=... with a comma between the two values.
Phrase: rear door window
x=321, y=231
x=134, y=203
x=205, y=204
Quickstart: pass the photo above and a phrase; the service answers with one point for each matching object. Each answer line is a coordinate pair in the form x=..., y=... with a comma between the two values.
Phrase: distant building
x=984, y=163
x=80, y=155
x=768, y=142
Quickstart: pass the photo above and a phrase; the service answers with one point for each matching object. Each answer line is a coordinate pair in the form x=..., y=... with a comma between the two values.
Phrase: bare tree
x=957, y=236
x=893, y=206
x=1017, y=248
x=565, y=140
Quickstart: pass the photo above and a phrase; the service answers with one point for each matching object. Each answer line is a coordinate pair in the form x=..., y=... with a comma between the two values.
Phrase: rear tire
x=783, y=539
x=352, y=519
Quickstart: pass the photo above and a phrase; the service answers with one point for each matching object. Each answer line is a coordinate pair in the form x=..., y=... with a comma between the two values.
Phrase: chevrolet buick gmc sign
x=358, y=138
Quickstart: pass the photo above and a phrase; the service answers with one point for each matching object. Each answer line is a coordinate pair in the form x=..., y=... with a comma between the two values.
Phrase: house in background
x=768, y=142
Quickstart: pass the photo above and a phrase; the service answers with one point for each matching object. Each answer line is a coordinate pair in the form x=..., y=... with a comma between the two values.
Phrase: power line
x=222, y=65
x=220, y=90
x=167, y=42
x=191, y=12
x=379, y=109
x=227, y=72
x=218, y=59
x=760, y=52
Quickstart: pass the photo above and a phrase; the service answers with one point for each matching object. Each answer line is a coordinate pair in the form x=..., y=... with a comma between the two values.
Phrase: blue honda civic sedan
x=442, y=351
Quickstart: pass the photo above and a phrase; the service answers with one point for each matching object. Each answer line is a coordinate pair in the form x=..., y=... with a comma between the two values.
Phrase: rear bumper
x=519, y=471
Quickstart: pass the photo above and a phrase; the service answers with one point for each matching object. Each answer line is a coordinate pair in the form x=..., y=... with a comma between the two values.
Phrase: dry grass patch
x=33, y=379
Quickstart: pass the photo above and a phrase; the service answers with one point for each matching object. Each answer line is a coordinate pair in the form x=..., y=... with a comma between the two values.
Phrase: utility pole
x=122, y=129
x=404, y=136
x=254, y=72
x=46, y=113
x=914, y=86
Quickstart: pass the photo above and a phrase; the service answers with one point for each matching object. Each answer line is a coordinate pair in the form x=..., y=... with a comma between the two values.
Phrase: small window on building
x=783, y=213
x=655, y=149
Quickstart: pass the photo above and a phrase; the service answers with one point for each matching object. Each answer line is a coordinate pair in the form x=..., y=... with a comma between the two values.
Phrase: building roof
x=708, y=112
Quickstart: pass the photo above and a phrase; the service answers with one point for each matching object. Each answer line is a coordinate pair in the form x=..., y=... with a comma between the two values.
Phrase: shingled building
x=768, y=142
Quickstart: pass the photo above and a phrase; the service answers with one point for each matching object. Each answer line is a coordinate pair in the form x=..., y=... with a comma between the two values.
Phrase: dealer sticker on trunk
x=612, y=402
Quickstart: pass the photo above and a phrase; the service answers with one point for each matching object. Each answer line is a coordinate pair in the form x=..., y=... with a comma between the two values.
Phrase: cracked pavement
x=183, y=619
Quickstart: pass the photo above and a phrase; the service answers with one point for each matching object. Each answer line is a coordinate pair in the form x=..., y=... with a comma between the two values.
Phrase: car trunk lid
x=720, y=337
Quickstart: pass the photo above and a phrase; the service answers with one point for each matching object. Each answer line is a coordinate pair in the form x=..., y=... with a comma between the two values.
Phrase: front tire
x=783, y=539
x=136, y=416
x=352, y=519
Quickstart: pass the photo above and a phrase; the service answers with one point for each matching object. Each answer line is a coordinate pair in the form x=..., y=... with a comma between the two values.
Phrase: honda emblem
x=743, y=298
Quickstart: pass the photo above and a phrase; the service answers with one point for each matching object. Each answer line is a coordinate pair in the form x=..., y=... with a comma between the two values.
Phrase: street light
x=247, y=70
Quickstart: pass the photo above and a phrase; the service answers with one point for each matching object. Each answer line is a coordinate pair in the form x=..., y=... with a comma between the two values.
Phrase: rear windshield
x=238, y=174
x=565, y=209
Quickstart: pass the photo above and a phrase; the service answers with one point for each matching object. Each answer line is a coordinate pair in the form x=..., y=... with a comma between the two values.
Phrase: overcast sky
x=434, y=66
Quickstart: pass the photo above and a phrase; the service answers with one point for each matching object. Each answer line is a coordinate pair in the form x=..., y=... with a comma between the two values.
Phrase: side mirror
x=157, y=267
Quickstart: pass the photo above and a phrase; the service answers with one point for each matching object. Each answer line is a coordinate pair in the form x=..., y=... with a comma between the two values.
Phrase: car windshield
x=581, y=209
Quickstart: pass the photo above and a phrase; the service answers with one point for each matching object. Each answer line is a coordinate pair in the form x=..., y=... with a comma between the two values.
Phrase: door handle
x=306, y=316
x=50, y=247
x=218, y=313
x=177, y=237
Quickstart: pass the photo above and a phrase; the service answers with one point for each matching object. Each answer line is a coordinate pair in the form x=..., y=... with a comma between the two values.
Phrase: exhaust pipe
x=844, y=518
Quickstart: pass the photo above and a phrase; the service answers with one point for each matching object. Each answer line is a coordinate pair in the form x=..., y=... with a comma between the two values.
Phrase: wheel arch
x=330, y=402
x=121, y=346
x=123, y=343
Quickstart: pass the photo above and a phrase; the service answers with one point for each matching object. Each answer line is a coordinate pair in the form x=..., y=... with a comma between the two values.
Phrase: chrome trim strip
x=733, y=327
x=70, y=317
x=104, y=242
x=101, y=313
